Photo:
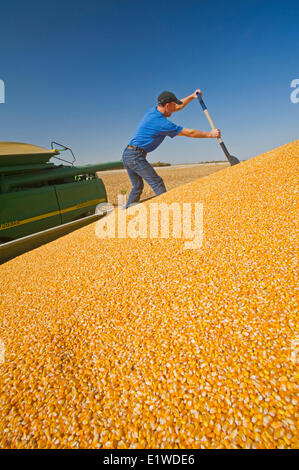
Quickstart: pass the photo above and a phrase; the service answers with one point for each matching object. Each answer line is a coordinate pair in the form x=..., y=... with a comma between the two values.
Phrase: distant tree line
x=161, y=164
x=197, y=163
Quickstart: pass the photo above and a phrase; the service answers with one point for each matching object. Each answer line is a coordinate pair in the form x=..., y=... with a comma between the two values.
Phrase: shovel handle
x=205, y=110
x=232, y=160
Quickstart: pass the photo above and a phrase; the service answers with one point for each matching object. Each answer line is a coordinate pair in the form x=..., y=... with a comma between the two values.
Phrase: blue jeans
x=138, y=167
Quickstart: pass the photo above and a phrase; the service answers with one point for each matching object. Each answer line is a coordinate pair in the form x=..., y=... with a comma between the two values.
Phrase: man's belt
x=134, y=147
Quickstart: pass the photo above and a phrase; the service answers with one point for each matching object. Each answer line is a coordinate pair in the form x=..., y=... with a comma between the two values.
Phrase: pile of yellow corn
x=139, y=343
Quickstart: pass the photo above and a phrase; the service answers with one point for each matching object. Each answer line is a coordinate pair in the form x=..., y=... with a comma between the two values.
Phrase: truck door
x=80, y=198
x=28, y=211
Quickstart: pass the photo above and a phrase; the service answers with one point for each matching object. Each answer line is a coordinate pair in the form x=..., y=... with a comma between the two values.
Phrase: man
x=150, y=133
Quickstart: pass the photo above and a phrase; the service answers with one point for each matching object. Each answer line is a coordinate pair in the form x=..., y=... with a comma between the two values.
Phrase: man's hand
x=187, y=100
x=197, y=91
x=215, y=133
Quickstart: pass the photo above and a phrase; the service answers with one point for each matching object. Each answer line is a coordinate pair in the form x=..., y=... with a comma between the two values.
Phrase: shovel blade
x=233, y=160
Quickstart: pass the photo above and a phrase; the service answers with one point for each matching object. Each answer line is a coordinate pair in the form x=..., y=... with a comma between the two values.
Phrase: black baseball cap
x=168, y=97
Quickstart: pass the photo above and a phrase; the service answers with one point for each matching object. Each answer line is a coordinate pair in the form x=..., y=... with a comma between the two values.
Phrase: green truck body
x=36, y=195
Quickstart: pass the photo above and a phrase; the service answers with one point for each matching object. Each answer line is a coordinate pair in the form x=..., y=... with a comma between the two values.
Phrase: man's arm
x=215, y=133
x=187, y=100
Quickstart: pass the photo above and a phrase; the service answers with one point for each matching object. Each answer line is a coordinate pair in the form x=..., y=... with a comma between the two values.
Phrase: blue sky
x=84, y=73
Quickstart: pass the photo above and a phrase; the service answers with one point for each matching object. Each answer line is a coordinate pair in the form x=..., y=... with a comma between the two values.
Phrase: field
x=139, y=342
x=173, y=176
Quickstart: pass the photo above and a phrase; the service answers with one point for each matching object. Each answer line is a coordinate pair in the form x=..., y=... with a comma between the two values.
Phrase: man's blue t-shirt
x=153, y=129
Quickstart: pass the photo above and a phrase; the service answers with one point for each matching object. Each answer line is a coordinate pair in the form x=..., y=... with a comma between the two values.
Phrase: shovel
x=232, y=160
